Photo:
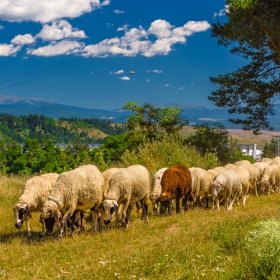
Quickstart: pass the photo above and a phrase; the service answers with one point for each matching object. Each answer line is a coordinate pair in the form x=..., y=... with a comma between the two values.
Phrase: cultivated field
x=199, y=244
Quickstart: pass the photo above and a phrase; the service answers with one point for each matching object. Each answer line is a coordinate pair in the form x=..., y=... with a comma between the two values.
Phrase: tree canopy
x=154, y=121
x=252, y=31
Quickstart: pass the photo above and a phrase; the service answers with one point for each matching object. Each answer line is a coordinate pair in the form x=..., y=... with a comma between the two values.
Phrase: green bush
x=167, y=152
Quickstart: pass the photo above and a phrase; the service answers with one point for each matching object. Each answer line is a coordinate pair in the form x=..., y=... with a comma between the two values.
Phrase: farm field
x=199, y=244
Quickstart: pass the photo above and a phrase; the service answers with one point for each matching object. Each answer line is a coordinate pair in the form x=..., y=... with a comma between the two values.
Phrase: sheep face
x=264, y=185
x=51, y=218
x=21, y=214
x=165, y=202
x=216, y=188
x=108, y=208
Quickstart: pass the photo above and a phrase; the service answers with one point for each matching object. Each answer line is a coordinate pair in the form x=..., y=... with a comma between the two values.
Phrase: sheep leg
x=217, y=202
x=94, y=216
x=144, y=206
x=127, y=218
x=124, y=211
x=43, y=232
x=28, y=228
x=66, y=216
x=177, y=205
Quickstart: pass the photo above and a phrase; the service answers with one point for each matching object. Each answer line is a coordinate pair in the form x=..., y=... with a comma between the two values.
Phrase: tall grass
x=199, y=244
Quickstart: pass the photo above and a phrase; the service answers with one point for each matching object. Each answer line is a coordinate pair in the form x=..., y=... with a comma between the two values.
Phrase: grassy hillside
x=199, y=244
x=20, y=128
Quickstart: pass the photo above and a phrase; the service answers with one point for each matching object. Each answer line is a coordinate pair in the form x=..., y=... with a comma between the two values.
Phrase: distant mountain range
x=194, y=114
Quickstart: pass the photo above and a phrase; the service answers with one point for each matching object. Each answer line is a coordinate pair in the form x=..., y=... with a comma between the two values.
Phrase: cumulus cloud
x=62, y=47
x=1, y=27
x=8, y=49
x=222, y=12
x=157, y=71
x=125, y=78
x=118, y=12
x=147, y=80
x=138, y=41
x=45, y=10
x=117, y=72
x=181, y=88
x=23, y=39
x=167, y=85
x=60, y=29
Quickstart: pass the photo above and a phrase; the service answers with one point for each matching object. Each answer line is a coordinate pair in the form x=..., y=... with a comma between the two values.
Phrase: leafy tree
x=252, y=31
x=269, y=149
x=214, y=139
x=153, y=121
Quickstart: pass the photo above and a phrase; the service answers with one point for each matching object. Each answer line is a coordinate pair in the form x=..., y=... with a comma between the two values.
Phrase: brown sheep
x=176, y=183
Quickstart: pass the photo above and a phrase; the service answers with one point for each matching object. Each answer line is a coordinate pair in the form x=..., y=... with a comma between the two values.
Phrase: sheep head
x=107, y=208
x=216, y=188
x=21, y=214
x=51, y=215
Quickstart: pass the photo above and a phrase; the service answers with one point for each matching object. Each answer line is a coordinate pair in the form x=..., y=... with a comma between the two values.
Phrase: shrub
x=167, y=152
x=262, y=251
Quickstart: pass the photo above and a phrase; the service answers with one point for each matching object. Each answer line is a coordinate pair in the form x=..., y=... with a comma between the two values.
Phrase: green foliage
x=154, y=121
x=20, y=128
x=269, y=149
x=252, y=31
x=214, y=139
x=167, y=152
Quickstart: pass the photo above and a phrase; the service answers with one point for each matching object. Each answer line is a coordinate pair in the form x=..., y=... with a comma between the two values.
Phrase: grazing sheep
x=176, y=183
x=107, y=175
x=35, y=193
x=227, y=184
x=245, y=181
x=275, y=160
x=268, y=160
x=78, y=189
x=200, y=184
x=230, y=166
x=253, y=174
x=270, y=180
x=156, y=188
x=128, y=185
x=260, y=167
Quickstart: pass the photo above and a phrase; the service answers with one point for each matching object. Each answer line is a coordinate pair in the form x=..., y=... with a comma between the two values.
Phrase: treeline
x=21, y=128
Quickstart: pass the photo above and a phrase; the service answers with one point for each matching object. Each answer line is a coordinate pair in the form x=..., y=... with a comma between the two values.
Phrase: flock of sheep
x=62, y=199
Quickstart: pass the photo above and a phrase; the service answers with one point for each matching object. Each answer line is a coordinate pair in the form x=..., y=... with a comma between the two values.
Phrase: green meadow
x=198, y=244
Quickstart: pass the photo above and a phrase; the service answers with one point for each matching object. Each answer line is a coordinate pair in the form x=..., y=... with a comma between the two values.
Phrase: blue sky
x=81, y=52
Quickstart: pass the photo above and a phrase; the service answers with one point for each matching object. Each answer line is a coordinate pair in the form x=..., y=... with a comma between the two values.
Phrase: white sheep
x=270, y=180
x=275, y=160
x=268, y=160
x=227, y=184
x=245, y=181
x=200, y=184
x=78, y=189
x=156, y=188
x=260, y=167
x=35, y=194
x=107, y=175
x=127, y=186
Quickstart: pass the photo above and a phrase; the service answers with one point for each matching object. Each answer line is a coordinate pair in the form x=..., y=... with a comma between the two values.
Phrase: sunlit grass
x=199, y=244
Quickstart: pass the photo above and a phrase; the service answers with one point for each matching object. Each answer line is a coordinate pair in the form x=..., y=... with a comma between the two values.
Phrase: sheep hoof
x=41, y=235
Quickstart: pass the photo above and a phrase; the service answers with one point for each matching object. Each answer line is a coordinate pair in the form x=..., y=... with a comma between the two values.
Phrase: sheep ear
x=28, y=213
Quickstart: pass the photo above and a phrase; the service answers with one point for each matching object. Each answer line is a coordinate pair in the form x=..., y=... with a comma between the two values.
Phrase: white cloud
x=1, y=27
x=60, y=29
x=125, y=78
x=192, y=83
x=23, y=39
x=157, y=71
x=118, y=12
x=7, y=50
x=147, y=80
x=222, y=12
x=62, y=47
x=148, y=71
x=136, y=41
x=117, y=72
x=167, y=85
x=181, y=88
x=46, y=10
x=124, y=28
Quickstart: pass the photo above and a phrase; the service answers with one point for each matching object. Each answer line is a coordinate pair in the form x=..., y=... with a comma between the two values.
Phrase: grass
x=199, y=244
